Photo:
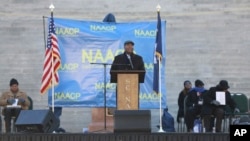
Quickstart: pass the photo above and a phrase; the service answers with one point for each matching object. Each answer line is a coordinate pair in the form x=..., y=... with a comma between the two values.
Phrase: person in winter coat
x=14, y=95
x=187, y=86
x=212, y=107
x=194, y=104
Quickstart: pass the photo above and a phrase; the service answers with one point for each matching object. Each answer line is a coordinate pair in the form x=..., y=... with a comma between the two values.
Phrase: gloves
x=215, y=102
x=236, y=110
x=21, y=100
x=10, y=101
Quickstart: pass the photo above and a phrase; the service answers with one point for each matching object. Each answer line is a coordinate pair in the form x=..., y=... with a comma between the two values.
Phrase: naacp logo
x=145, y=33
x=67, y=31
x=103, y=28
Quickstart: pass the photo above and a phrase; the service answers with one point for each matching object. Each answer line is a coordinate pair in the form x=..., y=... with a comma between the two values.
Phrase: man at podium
x=127, y=71
x=128, y=60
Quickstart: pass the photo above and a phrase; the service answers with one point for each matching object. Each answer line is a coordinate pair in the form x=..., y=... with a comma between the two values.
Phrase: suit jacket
x=121, y=62
x=211, y=95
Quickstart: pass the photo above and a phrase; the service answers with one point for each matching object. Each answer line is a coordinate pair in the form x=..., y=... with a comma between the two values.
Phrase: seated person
x=213, y=107
x=194, y=104
x=9, y=98
x=187, y=86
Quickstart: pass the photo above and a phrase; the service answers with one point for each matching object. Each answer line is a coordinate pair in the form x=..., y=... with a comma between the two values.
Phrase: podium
x=127, y=93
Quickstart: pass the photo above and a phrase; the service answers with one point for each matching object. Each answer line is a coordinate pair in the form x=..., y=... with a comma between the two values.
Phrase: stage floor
x=115, y=137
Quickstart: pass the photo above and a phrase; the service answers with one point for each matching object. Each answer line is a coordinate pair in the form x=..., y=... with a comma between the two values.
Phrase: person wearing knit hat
x=13, y=81
x=13, y=102
x=213, y=107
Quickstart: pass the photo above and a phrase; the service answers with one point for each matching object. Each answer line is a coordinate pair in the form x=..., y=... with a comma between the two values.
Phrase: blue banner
x=81, y=43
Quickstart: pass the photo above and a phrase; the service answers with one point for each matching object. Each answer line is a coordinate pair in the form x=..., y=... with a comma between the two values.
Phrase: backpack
x=167, y=121
x=197, y=126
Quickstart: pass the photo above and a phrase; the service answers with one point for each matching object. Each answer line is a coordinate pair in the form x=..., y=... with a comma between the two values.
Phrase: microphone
x=111, y=64
x=101, y=63
x=129, y=58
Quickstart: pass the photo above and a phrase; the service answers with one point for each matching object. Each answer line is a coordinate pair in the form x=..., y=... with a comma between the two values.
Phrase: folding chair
x=182, y=123
x=249, y=104
x=241, y=101
x=31, y=103
x=227, y=116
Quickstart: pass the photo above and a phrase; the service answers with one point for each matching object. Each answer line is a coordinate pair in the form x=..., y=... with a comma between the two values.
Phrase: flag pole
x=160, y=130
x=159, y=79
x=51, y=7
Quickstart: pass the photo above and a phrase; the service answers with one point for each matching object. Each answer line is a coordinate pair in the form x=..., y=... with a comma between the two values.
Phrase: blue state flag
x=157, y=54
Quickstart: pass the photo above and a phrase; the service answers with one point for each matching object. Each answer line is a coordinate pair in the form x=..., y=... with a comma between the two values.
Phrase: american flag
x=52, y=60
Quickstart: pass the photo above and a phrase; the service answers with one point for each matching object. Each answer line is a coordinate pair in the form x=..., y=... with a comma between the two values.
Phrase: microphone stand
x=105, y=87
x=105, y=83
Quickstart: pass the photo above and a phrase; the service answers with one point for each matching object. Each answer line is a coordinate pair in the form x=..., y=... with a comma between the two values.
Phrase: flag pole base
x=161, y=130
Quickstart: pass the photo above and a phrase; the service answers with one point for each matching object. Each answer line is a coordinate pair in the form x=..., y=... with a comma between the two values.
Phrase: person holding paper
x=13, y=102
x=216, y=107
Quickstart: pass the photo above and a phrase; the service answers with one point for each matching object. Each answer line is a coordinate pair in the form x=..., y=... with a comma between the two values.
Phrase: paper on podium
x=221, y=97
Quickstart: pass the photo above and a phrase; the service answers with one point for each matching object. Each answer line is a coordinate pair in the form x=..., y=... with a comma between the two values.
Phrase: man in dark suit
x=128, y=60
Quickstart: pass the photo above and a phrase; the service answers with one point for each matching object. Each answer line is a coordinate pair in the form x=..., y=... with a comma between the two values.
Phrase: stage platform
x=115, y=137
